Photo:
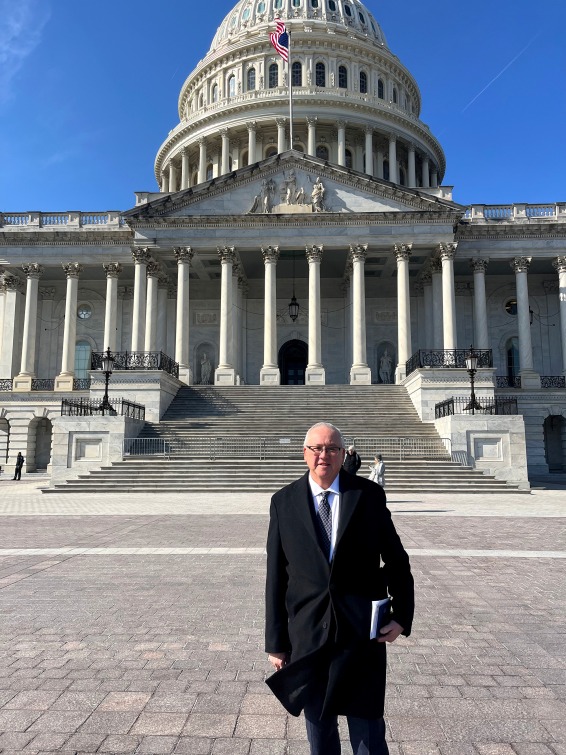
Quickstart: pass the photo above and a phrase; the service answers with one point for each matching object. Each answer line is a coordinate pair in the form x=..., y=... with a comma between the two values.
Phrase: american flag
x=280, y=39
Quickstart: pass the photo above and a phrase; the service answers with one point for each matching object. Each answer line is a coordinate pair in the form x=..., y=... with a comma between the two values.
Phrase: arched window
x=232, y=86
x=209, y=172
x=320, y=75
x=348, y=11
x=343, y=77
x=386, y=170
x=244, y=159
x=251, y=79
x=270, y=152
x=297, y=74
x=332, y=5
x=512, y=352
x=296, y=3
x=201, y=100
x=402, y=178
x=349, y=159
x=395, y=95
x=273, y=76
x=82, y=359
x=314, y=3
x=363, y=82
x=215, y=93
x=380, y=89
x=277, y=4
x=322, y=152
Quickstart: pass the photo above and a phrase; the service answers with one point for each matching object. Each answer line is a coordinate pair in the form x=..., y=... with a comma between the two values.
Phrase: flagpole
x=290, y=71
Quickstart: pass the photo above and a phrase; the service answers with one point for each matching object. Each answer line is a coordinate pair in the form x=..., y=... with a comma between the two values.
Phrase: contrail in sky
x=525, y=48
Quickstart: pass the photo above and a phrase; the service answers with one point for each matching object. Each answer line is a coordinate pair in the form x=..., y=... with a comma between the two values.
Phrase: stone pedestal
x=185, y=375
x=315, y=376
x=64, y=383
x=22, y=383
x=225, y=376
x=269, y=376
x=530, y=380
x=360, y=375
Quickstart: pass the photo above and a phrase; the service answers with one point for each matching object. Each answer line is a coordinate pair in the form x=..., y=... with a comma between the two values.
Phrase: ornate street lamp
x=293, y=304
x=472, y=367
x=107, y=369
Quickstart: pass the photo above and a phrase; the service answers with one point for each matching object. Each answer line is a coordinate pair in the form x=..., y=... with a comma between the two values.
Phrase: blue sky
x=89, y=91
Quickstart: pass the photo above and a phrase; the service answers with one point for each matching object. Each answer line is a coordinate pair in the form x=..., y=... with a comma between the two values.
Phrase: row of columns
x=149, y=324
x=171, y=181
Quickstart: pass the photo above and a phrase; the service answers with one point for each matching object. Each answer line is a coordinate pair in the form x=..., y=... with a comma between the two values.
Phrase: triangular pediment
x=292, y=184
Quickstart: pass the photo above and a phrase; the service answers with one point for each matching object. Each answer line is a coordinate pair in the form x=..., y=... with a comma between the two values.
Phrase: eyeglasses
x=330, y=450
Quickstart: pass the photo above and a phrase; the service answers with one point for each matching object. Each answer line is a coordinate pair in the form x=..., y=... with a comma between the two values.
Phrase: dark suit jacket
x=320, y=612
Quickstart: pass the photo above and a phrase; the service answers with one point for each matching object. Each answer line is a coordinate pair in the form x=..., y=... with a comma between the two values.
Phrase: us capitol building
x=341, y=258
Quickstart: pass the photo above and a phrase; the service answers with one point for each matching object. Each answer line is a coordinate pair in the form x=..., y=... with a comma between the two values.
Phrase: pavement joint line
x=202, y=551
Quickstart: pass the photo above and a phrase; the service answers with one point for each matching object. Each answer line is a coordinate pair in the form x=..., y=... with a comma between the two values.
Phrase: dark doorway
x=293, y=358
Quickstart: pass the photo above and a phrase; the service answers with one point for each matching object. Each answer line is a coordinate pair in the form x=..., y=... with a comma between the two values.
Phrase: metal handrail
x=462, y=405
x=83, y=407
x=137, y=360
x=447, y=358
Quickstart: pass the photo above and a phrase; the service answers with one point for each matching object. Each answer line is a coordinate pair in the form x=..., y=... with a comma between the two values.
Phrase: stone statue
x=290, y=183
x=263, y=201
x=300, y=196
x=205, y=370
x=385, y=367
x=317, y=196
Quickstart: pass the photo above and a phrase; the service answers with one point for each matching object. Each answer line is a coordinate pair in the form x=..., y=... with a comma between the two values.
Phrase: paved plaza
x=135, y=625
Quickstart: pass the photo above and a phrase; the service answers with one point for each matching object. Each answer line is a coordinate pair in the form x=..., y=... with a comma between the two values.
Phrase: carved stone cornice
x=112, y=269
x=11, y=282
x=402, y=251
x=447, y=251
x=227, y=254
x=33, y=270
x=72, y=269
x=153, y=269
x=270, y=254
x=314, y=253
x=251, y=126
x=559, y=264
x=47, y=292
x=358, y=252
x=521, y=264
x=479, y=264
x=141, y=255
x=183, y=254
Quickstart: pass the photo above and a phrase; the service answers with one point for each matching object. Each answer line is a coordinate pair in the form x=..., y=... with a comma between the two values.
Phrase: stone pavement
x=134, y=625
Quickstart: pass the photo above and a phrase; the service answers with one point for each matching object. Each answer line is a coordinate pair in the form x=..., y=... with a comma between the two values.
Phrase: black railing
x=81, y=384
x=507, y=381
x=553, y=381
x=138, y=360
x=450, y=358
x=6, y=384
x=83, y=407
x=43, y=384
x=462, y=405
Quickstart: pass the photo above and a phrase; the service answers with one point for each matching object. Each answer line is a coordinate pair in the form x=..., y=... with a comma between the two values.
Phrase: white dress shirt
x=333, y=502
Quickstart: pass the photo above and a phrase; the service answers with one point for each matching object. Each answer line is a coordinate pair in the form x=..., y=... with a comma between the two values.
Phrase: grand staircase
x=249, y=439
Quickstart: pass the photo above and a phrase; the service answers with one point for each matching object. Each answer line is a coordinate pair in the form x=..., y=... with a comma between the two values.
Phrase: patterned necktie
x=324, y=520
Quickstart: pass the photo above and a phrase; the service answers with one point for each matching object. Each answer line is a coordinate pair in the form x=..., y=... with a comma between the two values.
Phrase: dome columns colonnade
x=151, y=328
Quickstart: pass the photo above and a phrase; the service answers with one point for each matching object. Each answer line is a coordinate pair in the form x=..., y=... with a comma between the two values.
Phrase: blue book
x=379, y=616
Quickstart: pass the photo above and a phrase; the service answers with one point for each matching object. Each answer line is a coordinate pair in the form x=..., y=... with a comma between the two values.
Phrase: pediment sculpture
x=293, y=197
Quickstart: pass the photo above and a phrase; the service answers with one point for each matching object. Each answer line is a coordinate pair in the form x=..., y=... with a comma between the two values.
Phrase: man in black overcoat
x=331, y=550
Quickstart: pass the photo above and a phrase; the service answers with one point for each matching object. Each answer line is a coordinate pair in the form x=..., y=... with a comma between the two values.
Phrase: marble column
x=2, y=302
x=185, y=171
x=360, y=373
x=311, y=138
x=236, y=334
x=379, y=159
x=162, y=291
x=281, y=140
x=481, y=335
x=172, y=176
x=447, y=253
x=242, y=312
x=393, y=158
x=47, y=363
x=349, y=319
x=112, y=270
x=64, y=381
x=142, y=257
x=165, y=182
x=560, y=266
x=426, y=173
x=225, y=374
x=251, y=142
x=202, y=160
x=22, y=382
x=225, y=155
x=152, y=275
x=403, y=253
x=529, y=378
x=434, y=179
x=315, y=373
x=11, y=337
x=369, y=151
x=183, y=255
x=125, y=304
x=269, y=374
x=412, y=178
x=426, y=280
x=341, y=126
x=437, y=329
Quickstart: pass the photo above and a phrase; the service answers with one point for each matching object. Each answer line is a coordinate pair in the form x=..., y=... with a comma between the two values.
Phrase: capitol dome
x=355, y=104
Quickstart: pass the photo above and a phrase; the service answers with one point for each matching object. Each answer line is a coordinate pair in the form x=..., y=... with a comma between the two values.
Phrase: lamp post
x=107, y=369
x=293, y=304
x=472, y=367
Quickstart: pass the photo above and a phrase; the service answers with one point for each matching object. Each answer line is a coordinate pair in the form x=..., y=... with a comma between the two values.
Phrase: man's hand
x=278, y=660
x=390, y=632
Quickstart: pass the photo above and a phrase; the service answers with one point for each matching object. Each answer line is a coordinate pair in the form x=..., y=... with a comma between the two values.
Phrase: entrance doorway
x=555, y=443
x=293, y=359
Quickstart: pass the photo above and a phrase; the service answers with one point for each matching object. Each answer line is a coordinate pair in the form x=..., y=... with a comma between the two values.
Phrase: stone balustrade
x=517, y=212
x=68, y=220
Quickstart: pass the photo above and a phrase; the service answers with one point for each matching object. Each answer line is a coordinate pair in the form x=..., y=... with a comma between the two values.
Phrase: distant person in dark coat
x=332, y=549
x=19, y=464
x=352, y=460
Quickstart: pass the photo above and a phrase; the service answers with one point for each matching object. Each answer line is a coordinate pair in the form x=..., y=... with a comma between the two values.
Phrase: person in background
x=377, y=471
x=352, y=460
x=19, y=464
